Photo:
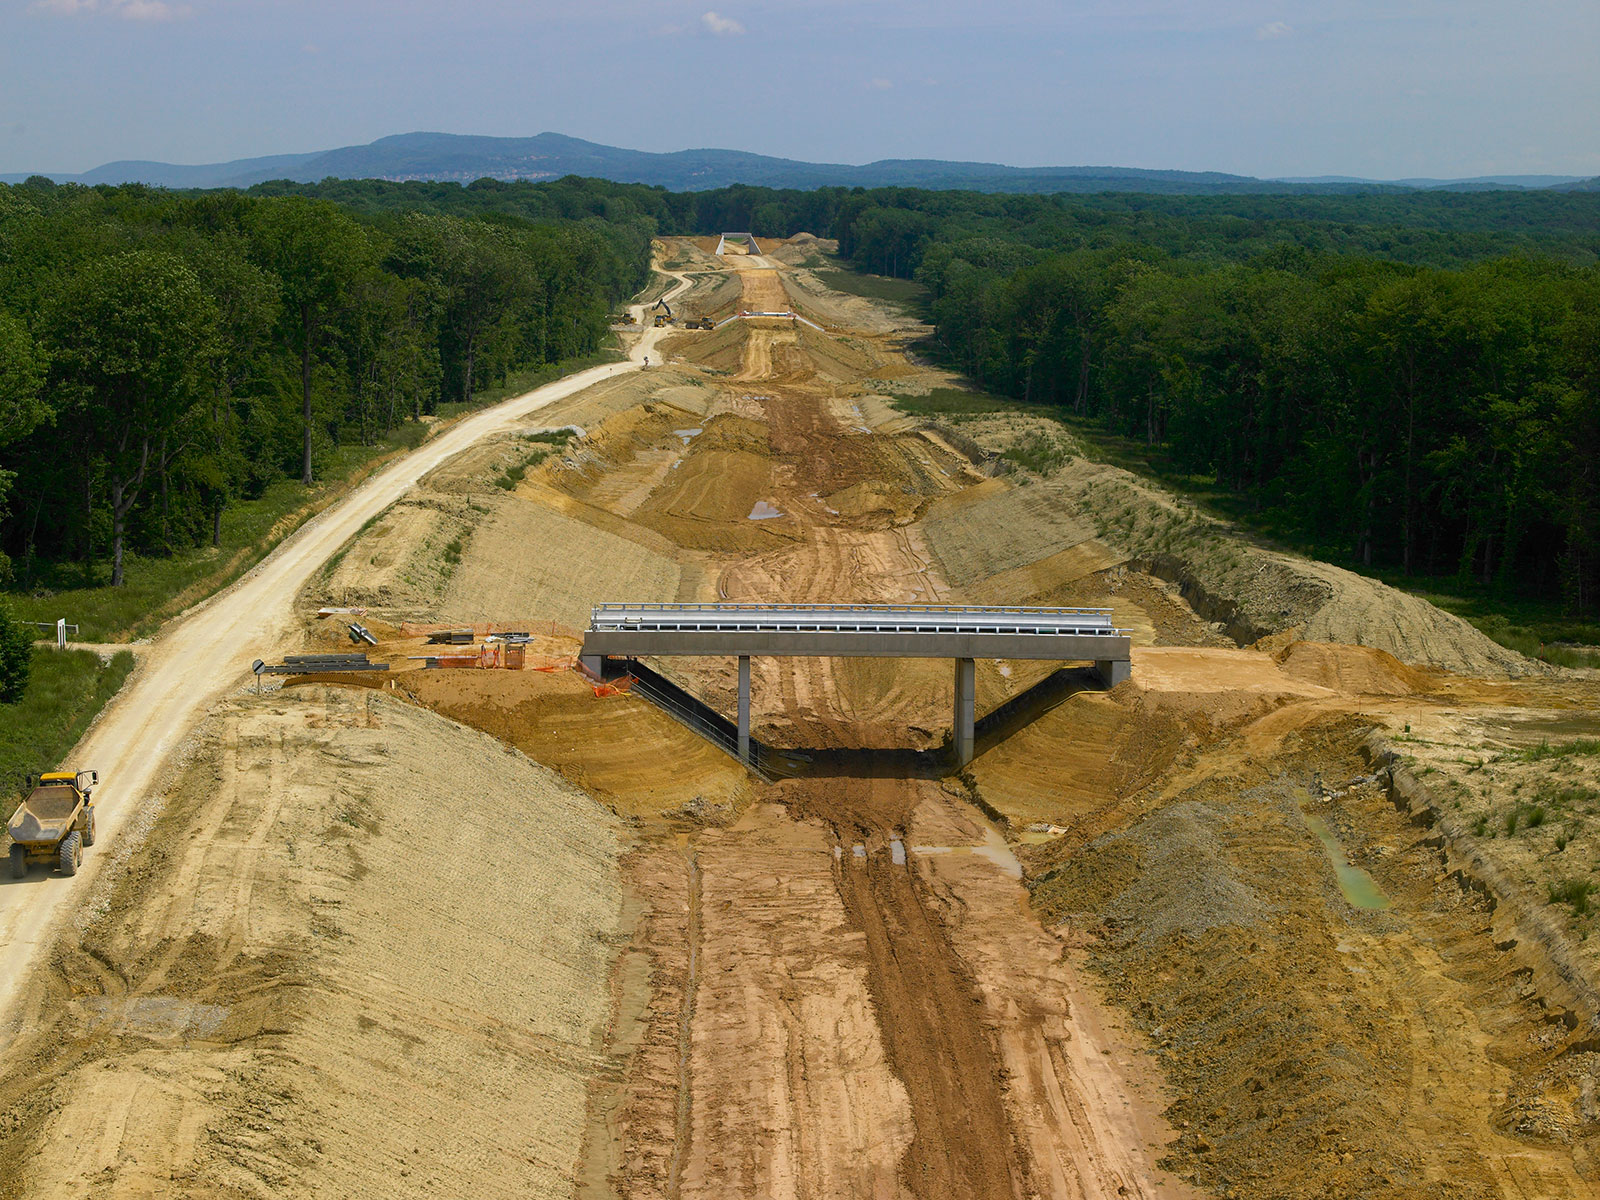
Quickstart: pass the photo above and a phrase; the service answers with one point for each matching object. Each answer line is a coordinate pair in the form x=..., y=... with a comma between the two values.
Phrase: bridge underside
x=1109, y=654
x=960, y=633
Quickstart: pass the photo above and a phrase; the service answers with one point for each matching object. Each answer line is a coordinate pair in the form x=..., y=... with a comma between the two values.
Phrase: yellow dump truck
x=55, y=823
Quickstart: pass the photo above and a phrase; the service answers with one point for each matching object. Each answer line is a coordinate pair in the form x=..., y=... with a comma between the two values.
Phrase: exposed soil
x=1203, y=933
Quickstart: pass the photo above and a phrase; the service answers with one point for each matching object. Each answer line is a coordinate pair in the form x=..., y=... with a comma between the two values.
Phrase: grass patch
x=1040, y=453
x=1575, y=892
x=905, y=292
x=66, y=690
x=546, y=443
x=157, y=588
x=945, y=402
x=1547, y=750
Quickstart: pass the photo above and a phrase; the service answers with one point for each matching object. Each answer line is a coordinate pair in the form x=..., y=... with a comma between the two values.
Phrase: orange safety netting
x=619, y=688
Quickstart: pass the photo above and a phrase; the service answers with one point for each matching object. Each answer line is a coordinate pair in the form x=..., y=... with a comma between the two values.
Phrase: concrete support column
x=966, y=710
x=592, y=663
x=1113, y=671
x=744, y=708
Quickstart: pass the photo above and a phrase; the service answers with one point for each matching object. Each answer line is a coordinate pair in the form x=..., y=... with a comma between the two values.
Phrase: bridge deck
x=855, y=630
x=960, y=632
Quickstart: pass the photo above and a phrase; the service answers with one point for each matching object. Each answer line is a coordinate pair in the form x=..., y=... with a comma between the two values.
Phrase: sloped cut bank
x=363, y=952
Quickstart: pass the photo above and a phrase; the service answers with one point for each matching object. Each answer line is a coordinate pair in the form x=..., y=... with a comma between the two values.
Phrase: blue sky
x=1390, y=90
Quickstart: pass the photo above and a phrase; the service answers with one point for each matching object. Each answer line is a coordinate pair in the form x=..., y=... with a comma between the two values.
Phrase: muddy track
x=927, y=1004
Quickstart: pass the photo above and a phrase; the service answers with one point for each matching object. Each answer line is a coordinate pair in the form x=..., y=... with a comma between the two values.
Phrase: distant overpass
x=959, y=632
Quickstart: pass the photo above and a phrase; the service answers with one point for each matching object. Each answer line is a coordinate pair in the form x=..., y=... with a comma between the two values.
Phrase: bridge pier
x=962, y=735
x=1113, y=671
x=744, y=708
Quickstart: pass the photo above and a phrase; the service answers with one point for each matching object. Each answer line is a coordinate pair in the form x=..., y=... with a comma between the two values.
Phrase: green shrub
x=66, y=689
x=16, y=657
x=1575, y=892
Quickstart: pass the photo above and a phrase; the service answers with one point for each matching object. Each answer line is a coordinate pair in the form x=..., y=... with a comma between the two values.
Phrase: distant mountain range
x=464, y=158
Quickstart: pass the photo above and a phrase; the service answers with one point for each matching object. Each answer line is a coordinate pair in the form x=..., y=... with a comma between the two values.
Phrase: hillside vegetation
x=164, y=357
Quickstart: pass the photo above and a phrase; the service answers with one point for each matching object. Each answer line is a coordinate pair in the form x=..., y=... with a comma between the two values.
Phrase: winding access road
x=202, y=655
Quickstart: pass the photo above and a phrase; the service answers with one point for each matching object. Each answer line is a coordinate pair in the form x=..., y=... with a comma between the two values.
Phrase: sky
x=1374, y=88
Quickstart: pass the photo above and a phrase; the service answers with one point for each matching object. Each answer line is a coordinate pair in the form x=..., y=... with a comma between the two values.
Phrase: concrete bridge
x=958, y=632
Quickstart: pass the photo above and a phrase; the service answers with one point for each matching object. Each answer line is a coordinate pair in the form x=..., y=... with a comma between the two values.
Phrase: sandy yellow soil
x=1251, y=924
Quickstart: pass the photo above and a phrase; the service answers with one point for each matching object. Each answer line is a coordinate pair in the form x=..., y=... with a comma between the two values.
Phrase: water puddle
x=994, y=848
x=1359, y=888
x=688, y=435
x=897, y=851
x=997, y=851
x=764, y=512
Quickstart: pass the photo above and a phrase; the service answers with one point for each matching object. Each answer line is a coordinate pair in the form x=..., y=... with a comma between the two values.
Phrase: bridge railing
x=931, y=609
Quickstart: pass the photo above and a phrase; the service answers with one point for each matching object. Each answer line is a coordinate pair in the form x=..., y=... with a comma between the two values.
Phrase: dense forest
x=163, y=354
x=1412, y=380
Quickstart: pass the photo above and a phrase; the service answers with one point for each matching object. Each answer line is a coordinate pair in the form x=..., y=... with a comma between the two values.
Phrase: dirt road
x=203, y=655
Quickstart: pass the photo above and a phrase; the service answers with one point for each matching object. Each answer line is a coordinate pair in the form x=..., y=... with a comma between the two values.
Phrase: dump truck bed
x=45, y=816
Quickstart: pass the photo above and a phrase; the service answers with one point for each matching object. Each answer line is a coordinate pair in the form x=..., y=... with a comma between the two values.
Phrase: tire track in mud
x=963, y=1145
x=928, y=1004
x=680, y=1143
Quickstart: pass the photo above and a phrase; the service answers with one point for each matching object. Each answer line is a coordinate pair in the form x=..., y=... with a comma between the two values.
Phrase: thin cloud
x=879, y=85
x=1273, y=29
x=128, y=10
x=720, y=25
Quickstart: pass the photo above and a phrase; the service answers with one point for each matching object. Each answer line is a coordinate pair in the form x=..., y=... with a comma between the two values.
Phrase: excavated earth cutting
x=1238, y=927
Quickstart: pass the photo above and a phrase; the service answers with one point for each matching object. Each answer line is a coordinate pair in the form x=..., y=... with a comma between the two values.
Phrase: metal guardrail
x=741, y=606
x=851, y=618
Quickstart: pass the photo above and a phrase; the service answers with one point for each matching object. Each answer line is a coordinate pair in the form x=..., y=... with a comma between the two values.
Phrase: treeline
x=890, y=231
x=1440, y=421
x=1415, y=383
x=163, y=354
x=1409, y=378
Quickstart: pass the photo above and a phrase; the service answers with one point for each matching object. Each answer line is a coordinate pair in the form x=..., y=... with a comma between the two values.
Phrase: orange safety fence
x=619, y=687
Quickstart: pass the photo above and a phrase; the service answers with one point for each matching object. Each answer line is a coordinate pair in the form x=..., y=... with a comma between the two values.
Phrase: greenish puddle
x=1359, y=888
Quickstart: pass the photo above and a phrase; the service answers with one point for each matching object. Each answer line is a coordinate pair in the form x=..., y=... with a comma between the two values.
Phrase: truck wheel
x=88, y=831
x=71, y=853
x=19, y=862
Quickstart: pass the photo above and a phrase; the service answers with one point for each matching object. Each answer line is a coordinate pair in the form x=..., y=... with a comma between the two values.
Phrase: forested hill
x=463, y=158
x=1410, y=382
x=162, y=355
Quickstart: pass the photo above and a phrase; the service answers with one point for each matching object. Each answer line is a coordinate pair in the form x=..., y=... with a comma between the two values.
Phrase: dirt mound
x=320, y=975
x=399, y=564
x=777, y=351
x=1355, y=670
